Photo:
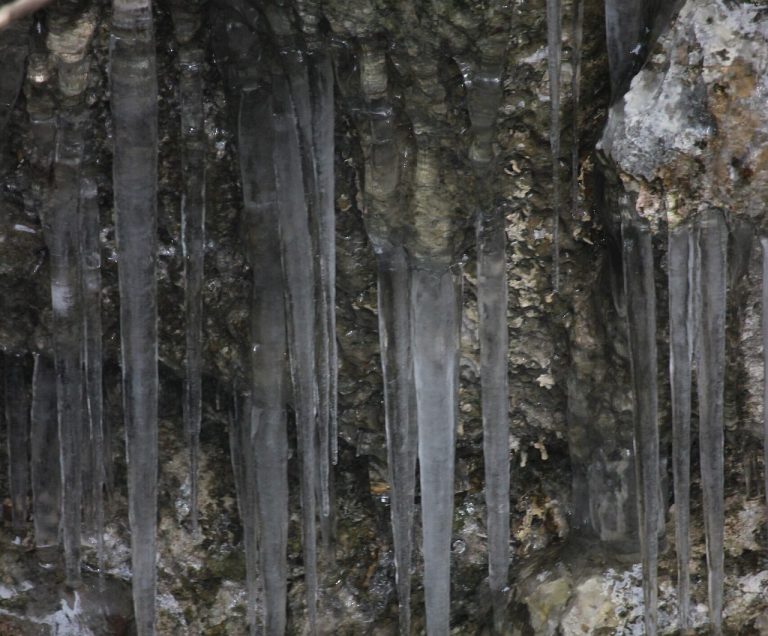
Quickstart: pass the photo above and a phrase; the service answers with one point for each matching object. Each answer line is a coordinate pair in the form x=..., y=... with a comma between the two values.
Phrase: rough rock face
x=689, y=133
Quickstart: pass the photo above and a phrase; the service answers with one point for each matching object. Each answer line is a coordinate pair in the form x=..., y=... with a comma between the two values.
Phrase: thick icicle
x=17, y=421
x=295, y=244
x=267, y=415
x=680, y=263
x=90, y=271
x=394, y=288
x=764, y=245
x=554, y=55
x=134, y=111
x=66, y=298
x=436, y=311
x=193, y=239
x=46, y=479
x=577, y=37
x=711, y=305
x=641, y=322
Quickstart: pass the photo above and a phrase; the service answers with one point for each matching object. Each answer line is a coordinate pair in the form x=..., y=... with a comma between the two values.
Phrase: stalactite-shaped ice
x=764, y=308
x=46, y=478
x=577, y=37
x=267, y=415
x=17, y=422
x=295, y=245
x=641, y=322
x=90, y=271
x=436, y=311
x=554, y=61
x=323, y=127
x=66, y=298
x=711, y=309
x=134, y=111
x=483, y=96
x=680, y=264
x=193, y=240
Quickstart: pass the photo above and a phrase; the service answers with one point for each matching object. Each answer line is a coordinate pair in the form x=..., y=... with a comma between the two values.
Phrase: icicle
x=680, y=264
x=267, y=415
x=295, y=244
x=394, y=289
x=711, y=307
x=577, y=28
x=641, y=321
x=554, y=48
x=193, y=239
x=323, y=125
x=764, y=245
x=46, y=479
x=90, y=270
x=436, y=311
x=134, y=111
x=17, y=421
x=66, y=298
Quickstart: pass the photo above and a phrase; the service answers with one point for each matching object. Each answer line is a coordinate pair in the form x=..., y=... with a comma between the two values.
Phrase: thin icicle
x=394, y=293
x=680, y=264
x=267, y=415
x=295, y=244
x=90, y=271
x=134, y=111
x=711, y=305
x=323, y=127
x=17, y=421
x=436, y=317
x=66, y=299
x=577, y=37
x=46, y=482
x=193, y=240
x=764, y=245
x=641, y=322
x=554, y=61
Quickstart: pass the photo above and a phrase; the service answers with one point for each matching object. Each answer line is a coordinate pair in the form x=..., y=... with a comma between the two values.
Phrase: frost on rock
x=134, y=111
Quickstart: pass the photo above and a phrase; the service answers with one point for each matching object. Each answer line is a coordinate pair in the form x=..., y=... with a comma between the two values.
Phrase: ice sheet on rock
x=46, y=478
x=680, y=275
x=17, y=423
x=268, y=460
x=193, y=240
x=90, y=272
x=641, y=322
x=711, y=310
x=62, y=237
x=295, y=244
x=134, y=111
x=436, y=317
x=394, y=298
x=554, y=62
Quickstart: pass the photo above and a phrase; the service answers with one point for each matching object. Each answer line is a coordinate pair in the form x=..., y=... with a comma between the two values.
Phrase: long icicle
x=46, y=481
x=66, y=299
x=711, y=303
x=680, y=263
x=554, y=61
x=193, y=241
x=641, y=322
x=268, y=354
x=134, y=111
x=577, y=35
x=764, y=245
x=436, y=317
x=90, y=271
x=296, y=243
